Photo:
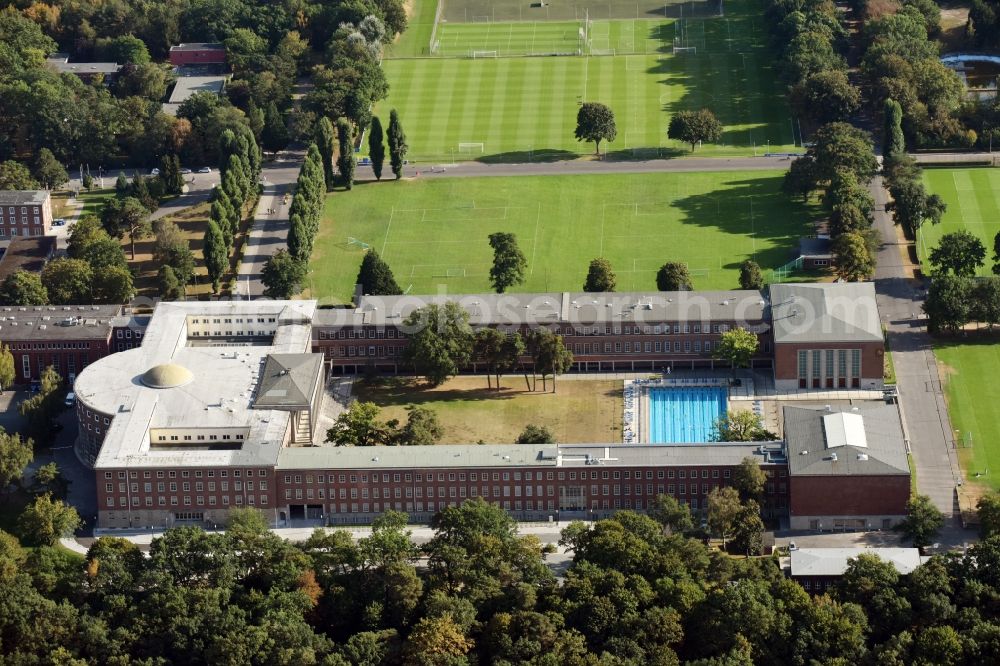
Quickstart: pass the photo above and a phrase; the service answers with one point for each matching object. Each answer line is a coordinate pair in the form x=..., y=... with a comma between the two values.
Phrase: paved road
x=270, y=230
x=577, y=167
x=921, y=400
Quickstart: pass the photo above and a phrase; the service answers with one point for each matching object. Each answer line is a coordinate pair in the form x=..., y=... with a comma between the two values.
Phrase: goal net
x=481, y=19
x=686, y=49
x=470, y=148
x=354, y=241
x=484, y=54
x=450, y=273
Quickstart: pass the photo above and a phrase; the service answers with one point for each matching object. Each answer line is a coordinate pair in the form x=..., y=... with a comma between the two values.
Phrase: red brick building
x=25, y=213
x=198, y=53
x=848, y=470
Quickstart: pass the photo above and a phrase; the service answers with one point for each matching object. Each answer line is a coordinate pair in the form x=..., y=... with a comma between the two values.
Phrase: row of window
x=187, y=438
x=24, y=210
x=70, y=363
x=127, y=333
x=231, y=320
x=198, y=500
x=199, y=486
x=37, y=346
x=658, y=329
x=228, y=334
x=185, y=473
x=516, y=476
x=24, y=219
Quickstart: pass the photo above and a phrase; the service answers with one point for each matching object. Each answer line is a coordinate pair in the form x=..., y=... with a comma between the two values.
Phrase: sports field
x=433, y=231
x=471, y=105
x=973, y=198
x=970, y=374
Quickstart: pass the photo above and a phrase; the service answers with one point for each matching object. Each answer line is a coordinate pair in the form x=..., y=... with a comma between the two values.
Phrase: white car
x=154, y=172
x=185, y=170
x=205, y=170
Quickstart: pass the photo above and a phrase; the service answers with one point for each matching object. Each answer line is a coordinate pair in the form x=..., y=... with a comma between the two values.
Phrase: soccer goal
x=481, y=19
x=450, y=273
x=354, y=241
x=681, y=50
x=483, y=54
x=471, y=148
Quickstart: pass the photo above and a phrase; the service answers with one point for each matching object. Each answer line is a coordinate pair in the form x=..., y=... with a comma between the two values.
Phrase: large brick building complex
x=218, y=408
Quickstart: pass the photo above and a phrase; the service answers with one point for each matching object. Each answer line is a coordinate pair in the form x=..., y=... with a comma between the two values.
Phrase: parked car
x=70, y=399
x=205, y=170
x=154, y=172
x=185, y=170
x=59, y=221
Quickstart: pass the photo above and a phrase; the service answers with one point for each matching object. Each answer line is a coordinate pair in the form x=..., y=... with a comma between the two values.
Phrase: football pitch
x=973, y=198
x=477, y=103
x=433, y=232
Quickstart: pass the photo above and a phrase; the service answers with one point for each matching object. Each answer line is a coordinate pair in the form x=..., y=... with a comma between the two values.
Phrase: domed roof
x=167, y=375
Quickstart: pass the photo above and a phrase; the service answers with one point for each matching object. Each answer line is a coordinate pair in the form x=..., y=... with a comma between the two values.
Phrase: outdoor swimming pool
x=679, y=415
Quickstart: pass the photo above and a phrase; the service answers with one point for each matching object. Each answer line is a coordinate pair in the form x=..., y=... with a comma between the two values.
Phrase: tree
x=376, y=147
x=996, y=254
x=359, y=426
x=113, y=284
x=960, y=253
x=550, y=355
x=345, y=151
x=46, y=520
x=948, y=303
x=23, y=288
x=283, y=275
x=47, y=475
x=215, y=254
x=595, y=122
x=533, y=434
x=170, y=174
x=170, y=286
x=324, y=139
x=671, y=514
x=893, y=143
x=121, y=186
x=911, y=206
x=851, y=257
x=274, y=137
x=825, y=96
x=48, y=171
x=509, y=263
x=68, y=281
x=737, y=346
x=750, y=275
x=600, y=276
x=15, y=176
x=724, y=509
x=923, y=521
x=397, y=144
x=749, y=478
x=440, y=341
x=422, y=428
x=673, y=276
x=988, y=509
x=742, y=426
x=15, y=455
x=694, y=127
x=748, y=530
x=842, y=147
x=7, y=370
x=170, y=248
x=126, y=217
x=375, y=276
x=498, y=351
x=436, y=641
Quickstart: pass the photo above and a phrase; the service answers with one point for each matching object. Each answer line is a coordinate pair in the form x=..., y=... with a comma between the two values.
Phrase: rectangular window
x=855, y=363
x=803, y=364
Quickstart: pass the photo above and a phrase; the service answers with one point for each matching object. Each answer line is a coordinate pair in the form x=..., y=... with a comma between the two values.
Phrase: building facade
x=200, y=53
x=25, y=213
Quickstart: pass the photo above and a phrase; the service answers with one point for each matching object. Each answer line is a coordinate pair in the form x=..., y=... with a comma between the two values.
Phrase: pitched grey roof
x=562, y=307
x=187, y=86
x=834, y=561
x=288, y=380
x=578, y=456
x=825, y=312
x=811, y=454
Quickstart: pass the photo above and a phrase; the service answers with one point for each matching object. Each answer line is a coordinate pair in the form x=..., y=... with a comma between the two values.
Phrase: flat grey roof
x=57, y=322
x=579, y=456
x=189, y=85
x=815, y=247
x=199, y=46
x=825, y=312
x=23, y=197
x=219, y=395
x=834, y=561
x=562, y=307
x=86, y=67
x=811, y=453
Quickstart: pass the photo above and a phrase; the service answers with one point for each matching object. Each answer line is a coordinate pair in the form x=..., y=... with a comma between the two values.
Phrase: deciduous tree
x=742, y=426
x=359, y=426
x=947, y=305
x=509, y=263
x=595, y=122
x=694, y=127
x=440, y=341
x=534, y=434
x=23, y=288
x=960, y=253
x=15, y=455
x=737, y=346
x=851, y=257
x=749, y=478
x=422, y=428
x=724, y=509
x=46, y=520
x=7, y=370
x=600, y=276
x=126, y=217
x=274, y=137
x=923, y=521
x=283, y=275
x=48, y=171
x=68, y=281
x=750, y=275
x=673, y=276
x=15, y=176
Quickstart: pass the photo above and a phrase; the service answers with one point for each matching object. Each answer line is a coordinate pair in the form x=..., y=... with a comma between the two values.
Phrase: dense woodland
x=478, y=593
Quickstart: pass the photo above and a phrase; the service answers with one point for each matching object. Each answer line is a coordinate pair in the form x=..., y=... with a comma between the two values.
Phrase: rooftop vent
x=862, y=456
x=833, y=457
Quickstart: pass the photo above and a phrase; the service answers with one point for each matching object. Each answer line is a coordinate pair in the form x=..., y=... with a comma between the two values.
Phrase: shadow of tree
x=529, y=156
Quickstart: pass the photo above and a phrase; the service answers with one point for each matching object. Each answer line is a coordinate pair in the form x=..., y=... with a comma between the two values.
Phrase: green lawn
x=971, y=371
x=434, y=231
x=415, y=40
x=523, y=108
x=973, y=198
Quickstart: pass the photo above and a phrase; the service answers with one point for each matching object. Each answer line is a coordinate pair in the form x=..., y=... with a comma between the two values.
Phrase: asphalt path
x=473, y=169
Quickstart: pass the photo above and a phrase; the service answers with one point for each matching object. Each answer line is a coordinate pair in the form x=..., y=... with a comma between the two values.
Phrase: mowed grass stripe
x=973, y=200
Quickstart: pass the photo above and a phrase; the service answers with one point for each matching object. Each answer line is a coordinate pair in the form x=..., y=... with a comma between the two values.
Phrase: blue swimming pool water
x=678, y=415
